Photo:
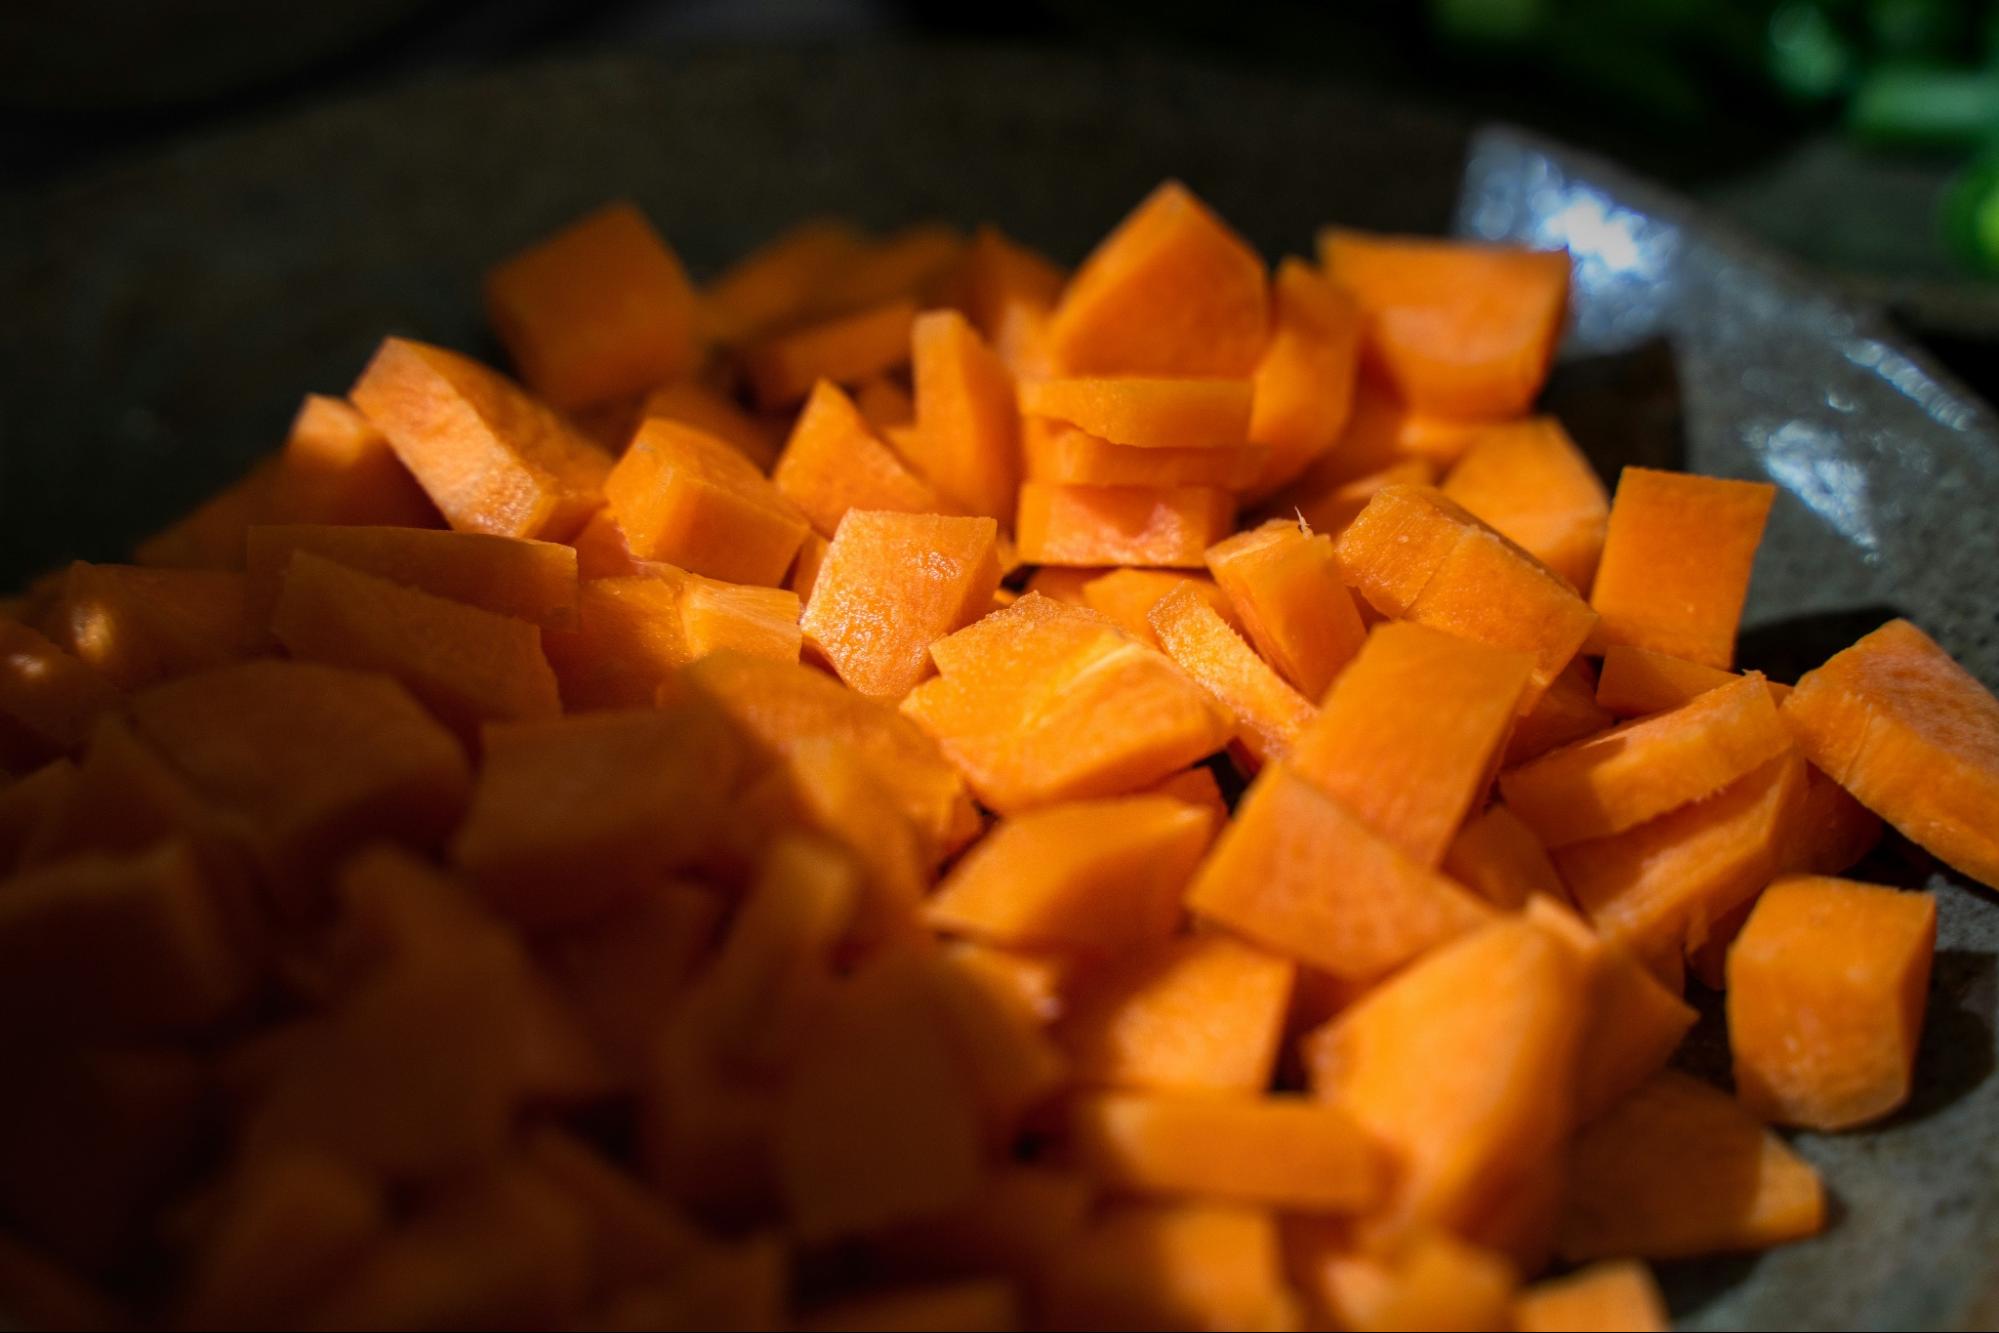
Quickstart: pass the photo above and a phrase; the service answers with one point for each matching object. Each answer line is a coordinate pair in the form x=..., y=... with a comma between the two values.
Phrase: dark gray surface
x=162, y=319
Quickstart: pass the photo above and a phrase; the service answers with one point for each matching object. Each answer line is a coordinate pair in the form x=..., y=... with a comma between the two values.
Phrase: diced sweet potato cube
x=834, y=462
x=1637, y=681
x=1304, y=382
x=1499, y=858
x=634, y=633
x=783, y=367
x=1676, y=562
x=917, y=262
x=1826, y=990
x=1332, y=509
x=1270, y=715
x=491, y=458
x=1284, y=584
x=1127, y=597
x=1140, y=412
x=1169, y=526
x=336, y=467
x=775, y=283
x=1056, y=451
x=1679, y=1169
x=1530, y=482
x=1565, y=713
x=693, y=403
x=690, y=500
x=967, y=437
x=528, y=580
x=999, y=276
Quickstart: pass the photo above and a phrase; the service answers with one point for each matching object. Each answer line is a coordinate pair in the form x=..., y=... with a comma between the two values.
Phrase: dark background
x=1679, y=89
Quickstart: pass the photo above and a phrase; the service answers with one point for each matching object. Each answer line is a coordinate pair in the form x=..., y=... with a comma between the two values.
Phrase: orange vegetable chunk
x=1455, y=328
x=1620, y=778
x=1059, y=452
x=1679, y=1169
x=1186, y=1266
x=1043, y=703
x=1467, y=1094
x=1333, y=509
x=1676, y=562
x=599, y=310
x=1431, y=1281
x=693, y=403
x=117, y=945
x=891, y=585
x=834, y=462
x=783, y=367
x=1095, y=877
x=1171, y=291
x=1280, y=1151
x=917, y=261
x=967, y=438
x=1200, y=1014
x=1914, y=736
x=1300, y=874
x=528, y=580
x=1528, y=481
x=1127, y=597
x=1001, y=278
x=634, y=634
x=1612, y=1296
x=313, y=758
x=780, y=705
x=1566, y=713
x=1633, y=1023
x=1270, y=715
x=1417, y=555
x=829, y=787
x=1498, y=857
x=1304, y=382
x=491, y=458
x=1165, y=526
x=878, y=1125
x=776, y=282
x=1147, y=413
x=1826, y=990
x=690, y=500
x=134, y=625
x=1666, y=883
x=1410, y=732
x=1383, y=432
x=467, y=665
x=1284, y=583
x=571, y=816
x=336, y=467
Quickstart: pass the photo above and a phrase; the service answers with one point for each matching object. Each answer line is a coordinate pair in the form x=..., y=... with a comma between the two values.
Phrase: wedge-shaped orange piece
x=1127, y=597
x=1528, y=481
x=467, y=665
x=1680, y=1169
x=1284, y=583
x=1676, y=563
x=528, y=580
x=1610, y=1295
x=776, y=282
x=1043, y=703
x=890, y=586
x=48, y=699
x=783, y=367
x=1200, y=1014
x=569, y=816
x=1303, y=386
x=632, y=635
x=1096, y=877
x=1279, y=1151
x=210, y=535
x=684, y=497
x=314, y=758
x=917, y=261
x=134, y=625
x=599, y=310
x=967, y=437
x=1633, y=1023
x=1188, y=1265
x=1430, y=1280
x=491, y=458
x=999, y=277
x=1138, y=412
x=1333, y=509
x=778, y=705
x=1620, y=778
x=834, y=462
x=1826, y=990
x=1270, y=715
x=1637, y=681
x=1499, y=858
x=1300, y=874
x=96, y=1140
x=1455, y=328
x=1172, y=291
x=1056, y=451
x=286, y=1228
x=1665, y=884
x=1914, y=736
x=1410, y=733
x=118, y=946
x=1169, y=526
x=336, y=467
x=879, y=1124
x=693, y=403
